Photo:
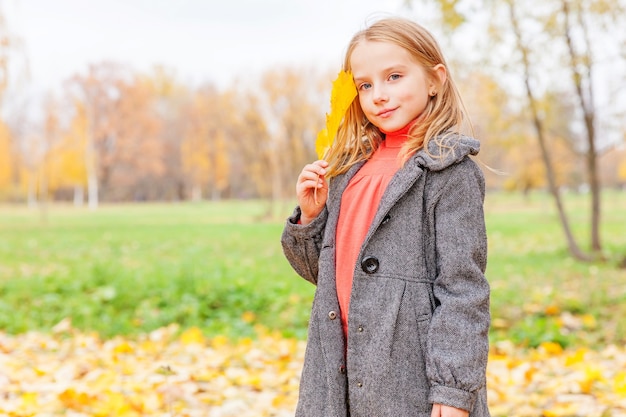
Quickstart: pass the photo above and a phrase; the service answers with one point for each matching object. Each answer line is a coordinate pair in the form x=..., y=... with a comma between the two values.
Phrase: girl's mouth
x=385, y=113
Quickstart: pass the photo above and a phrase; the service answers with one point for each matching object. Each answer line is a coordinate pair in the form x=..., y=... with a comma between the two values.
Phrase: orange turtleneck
x=359, y=203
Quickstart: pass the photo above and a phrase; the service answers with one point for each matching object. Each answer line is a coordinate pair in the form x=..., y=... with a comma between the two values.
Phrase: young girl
x=390, y=228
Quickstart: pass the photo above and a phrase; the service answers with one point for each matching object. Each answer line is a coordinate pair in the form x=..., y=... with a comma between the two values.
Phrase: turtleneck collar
x=396, y=139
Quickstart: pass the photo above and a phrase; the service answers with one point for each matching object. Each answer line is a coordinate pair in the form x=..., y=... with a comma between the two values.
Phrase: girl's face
x=393, y=88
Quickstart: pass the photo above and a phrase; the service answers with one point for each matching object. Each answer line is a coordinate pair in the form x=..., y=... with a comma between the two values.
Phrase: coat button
x=332, y=315
x=359, y=384
x=342, y=369
x=369, y=265
x=360, y=329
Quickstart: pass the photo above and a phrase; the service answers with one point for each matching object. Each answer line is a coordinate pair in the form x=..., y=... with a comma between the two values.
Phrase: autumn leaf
x=168, y=373
x=343, y=93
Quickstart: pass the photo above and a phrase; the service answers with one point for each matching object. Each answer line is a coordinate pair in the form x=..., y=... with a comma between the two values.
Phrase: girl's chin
x=391, y=127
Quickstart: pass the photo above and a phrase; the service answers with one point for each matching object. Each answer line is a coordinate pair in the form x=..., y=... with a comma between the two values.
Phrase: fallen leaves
x=553, y=382
x=160, y=374
x=169, y=374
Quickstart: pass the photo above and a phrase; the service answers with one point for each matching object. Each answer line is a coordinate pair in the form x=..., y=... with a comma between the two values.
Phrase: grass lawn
x=129, y=269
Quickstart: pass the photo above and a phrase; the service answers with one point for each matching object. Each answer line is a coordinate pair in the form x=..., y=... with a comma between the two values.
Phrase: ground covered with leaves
x=171, y=373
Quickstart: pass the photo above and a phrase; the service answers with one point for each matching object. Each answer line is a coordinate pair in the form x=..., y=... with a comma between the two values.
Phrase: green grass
x=128, y=269
x=539, y=292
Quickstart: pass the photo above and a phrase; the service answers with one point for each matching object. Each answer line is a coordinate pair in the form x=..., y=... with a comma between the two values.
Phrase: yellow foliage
x=552, y=310
x=248, y=317
x=192, y=336
x=619, y=383
x=576, y=357
x=551, y=348
x=74, y=399
x=343, y=93
x=260, y=376
x=123, y=347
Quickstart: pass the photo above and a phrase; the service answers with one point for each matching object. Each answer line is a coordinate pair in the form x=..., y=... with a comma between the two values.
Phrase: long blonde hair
x=357, y=138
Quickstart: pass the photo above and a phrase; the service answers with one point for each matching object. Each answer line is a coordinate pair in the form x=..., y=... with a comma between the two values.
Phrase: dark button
x=369, y=264
x=360, y=329
x=332, y=315
x=386, y=219
x=342, y=369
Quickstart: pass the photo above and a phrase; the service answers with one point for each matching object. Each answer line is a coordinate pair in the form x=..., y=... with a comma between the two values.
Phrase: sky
x=200, y=40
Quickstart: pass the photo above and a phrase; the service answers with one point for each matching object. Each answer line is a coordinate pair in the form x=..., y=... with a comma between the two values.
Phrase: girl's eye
x=365, y=86
x=394, y=76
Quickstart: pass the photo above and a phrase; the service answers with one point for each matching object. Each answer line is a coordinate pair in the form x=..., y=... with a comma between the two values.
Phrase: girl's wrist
x=304, y=220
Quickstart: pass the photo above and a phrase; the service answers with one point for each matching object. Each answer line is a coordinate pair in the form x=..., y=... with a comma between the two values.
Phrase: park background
x=148, y=154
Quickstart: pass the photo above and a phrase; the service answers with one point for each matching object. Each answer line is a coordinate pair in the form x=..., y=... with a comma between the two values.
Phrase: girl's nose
x=380, y=94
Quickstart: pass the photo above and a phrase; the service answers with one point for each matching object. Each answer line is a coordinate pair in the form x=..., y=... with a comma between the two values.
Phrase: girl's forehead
x=374, y=55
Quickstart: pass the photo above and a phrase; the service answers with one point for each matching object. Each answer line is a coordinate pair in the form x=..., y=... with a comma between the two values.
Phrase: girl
x=390, y=228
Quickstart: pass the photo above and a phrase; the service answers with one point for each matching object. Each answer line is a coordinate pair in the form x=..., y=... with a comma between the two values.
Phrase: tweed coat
x=419, y=309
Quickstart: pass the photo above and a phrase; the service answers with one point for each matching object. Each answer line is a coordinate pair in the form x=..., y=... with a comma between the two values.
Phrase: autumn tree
x=205, y=151
x=293, y=105
x=171, y=103
x=97, y=91
x=6, y=147
x=70, y=161
x=253, y=148
x=6, y=158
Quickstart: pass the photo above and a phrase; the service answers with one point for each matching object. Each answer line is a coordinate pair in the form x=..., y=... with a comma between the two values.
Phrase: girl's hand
x=440, y=410
x=312, y=190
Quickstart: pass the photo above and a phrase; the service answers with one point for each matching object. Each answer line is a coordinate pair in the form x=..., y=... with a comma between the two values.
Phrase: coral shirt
x=359, y=203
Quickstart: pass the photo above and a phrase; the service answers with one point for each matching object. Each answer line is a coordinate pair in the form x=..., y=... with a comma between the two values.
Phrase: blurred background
x=162, y=101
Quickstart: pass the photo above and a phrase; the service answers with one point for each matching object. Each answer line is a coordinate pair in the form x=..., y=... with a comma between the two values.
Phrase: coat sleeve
x=302, y=244
x=458, y=344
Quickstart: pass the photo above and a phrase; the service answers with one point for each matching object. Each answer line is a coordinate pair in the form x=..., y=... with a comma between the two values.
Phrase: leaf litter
x=170, y=373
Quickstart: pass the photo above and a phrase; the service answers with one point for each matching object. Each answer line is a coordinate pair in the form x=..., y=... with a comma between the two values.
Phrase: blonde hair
x=357, y=138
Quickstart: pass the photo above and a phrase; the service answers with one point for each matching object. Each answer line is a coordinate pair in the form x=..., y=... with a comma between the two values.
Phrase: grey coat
x=419, y=309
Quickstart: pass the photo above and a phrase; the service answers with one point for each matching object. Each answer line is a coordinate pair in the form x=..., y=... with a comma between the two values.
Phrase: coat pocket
x=423, y=314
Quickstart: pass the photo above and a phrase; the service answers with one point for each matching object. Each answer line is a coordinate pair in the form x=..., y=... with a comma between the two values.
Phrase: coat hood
x=447, y=150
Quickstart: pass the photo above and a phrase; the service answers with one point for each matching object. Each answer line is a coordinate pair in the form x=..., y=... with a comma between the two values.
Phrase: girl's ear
x=440, y=76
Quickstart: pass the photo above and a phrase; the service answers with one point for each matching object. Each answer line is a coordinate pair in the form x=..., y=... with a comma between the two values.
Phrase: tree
x=97, y=90
x=6, y=160
x=293, y=106
x=72, y=161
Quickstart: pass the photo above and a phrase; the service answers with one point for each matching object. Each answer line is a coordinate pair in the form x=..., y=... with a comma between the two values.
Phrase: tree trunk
x=196, y=193
x=32, y=191
x=79, y=195
x=587, y=106
x=574, y=249
x=90, y=163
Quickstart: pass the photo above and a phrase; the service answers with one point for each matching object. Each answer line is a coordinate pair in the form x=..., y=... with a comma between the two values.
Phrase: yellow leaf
x=73, y=399
x=123, y=347
x=30, y=399
x=219, y=341
x=343, y=93
x=619, y=383
x=248, y=317
x=552, y=310
x=589, y=321
x=192, y=336
x=576, y=357
x=551, y=348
